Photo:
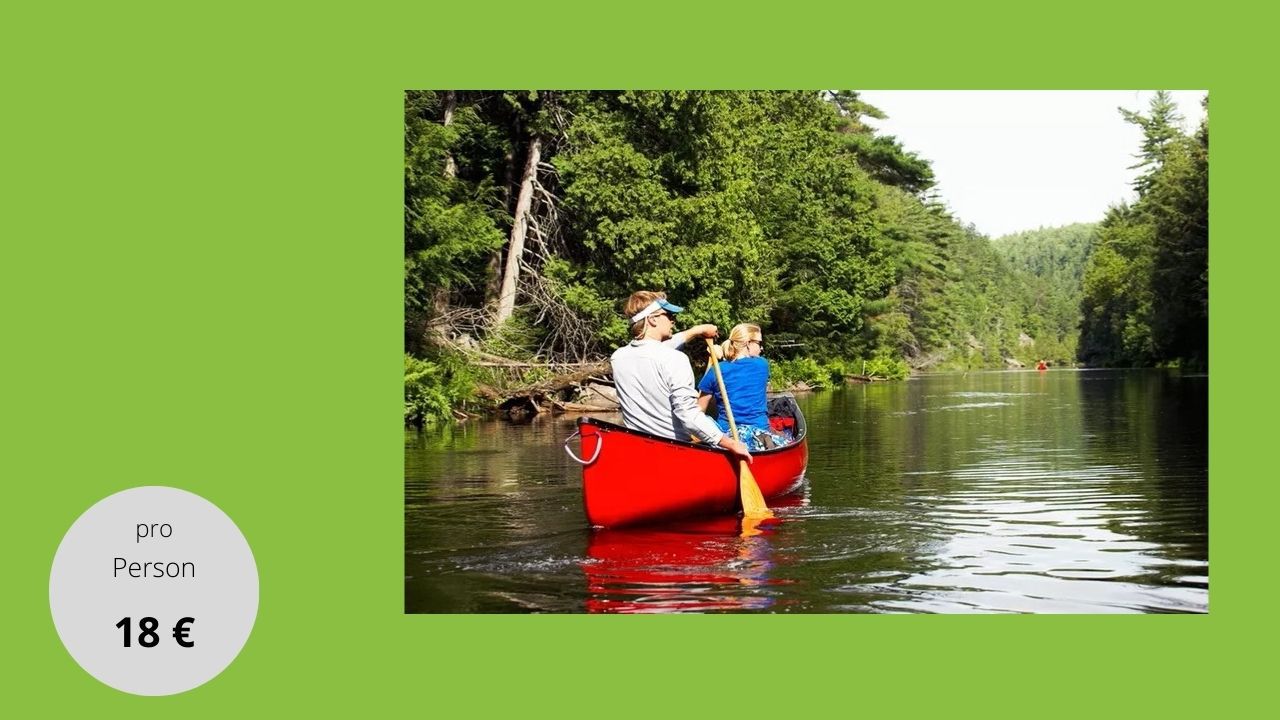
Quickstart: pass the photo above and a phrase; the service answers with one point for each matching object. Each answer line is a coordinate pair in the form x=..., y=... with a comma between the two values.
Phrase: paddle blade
x=753, y=505
x=752, y=526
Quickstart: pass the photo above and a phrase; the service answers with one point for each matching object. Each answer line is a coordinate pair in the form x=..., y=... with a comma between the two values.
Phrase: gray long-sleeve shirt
x=657, y=393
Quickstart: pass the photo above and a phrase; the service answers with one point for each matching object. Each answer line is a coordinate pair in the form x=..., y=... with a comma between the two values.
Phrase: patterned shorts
x=758, y=438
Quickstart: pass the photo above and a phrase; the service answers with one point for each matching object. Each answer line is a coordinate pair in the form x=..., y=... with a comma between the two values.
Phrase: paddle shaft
x=753, y=504
x=724, y=394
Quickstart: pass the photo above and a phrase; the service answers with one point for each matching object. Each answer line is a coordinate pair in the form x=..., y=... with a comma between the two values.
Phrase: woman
x=746, y=379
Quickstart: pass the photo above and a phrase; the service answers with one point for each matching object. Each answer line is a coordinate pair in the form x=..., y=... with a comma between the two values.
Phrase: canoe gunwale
x=801, y=433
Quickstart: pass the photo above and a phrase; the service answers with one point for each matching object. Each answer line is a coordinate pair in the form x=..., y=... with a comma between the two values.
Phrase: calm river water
x=1057, y=492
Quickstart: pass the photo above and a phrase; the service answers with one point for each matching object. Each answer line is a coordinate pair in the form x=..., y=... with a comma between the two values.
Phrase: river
x=992, y=492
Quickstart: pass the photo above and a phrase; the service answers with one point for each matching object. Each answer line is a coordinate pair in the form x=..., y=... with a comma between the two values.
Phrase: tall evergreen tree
x=1160, y=127
x=1146, y=284
x=449, y=208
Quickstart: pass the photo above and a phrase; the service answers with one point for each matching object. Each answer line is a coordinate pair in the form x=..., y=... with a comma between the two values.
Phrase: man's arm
x=679, y=339
x=684, y=404
x=736, y=447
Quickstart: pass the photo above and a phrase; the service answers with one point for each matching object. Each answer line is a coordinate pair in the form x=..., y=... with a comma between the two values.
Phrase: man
x=655, y=380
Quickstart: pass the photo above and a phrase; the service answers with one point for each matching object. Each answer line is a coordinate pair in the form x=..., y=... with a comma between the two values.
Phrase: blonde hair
x=737, y=341
x=638, y=301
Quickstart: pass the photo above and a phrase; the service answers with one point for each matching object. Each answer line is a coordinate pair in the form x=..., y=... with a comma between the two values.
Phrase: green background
x=200, y=286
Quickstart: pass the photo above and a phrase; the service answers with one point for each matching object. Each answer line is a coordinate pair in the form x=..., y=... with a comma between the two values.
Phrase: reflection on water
x=690, y=566
x=1076, y=492
x=675, y=570
x=1041, y=533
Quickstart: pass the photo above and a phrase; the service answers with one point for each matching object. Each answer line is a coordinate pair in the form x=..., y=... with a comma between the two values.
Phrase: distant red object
x=633, y=478
x=1042, y=366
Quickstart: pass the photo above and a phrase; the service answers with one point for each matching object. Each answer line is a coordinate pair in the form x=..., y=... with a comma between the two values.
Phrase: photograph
x=806, y=351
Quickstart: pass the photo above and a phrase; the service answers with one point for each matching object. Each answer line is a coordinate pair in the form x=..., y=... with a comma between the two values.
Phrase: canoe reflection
x=694, y=566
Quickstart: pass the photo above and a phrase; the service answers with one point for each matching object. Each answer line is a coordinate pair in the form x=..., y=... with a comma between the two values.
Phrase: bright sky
x=1011, y=160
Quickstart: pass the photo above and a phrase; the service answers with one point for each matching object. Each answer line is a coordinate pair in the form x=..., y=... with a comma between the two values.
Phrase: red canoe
x=632, y=478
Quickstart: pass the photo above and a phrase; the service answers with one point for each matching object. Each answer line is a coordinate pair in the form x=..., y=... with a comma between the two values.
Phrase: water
x=1056, y=492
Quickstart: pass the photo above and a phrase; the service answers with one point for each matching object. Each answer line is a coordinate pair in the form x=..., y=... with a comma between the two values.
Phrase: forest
x=531, y=215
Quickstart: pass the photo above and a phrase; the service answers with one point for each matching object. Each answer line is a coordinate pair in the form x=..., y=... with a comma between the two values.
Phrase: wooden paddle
x=753, y=505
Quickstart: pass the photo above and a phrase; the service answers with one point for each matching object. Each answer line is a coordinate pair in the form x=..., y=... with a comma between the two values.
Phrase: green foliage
x=514, y=339
x=1146, y=285
x=1049, y=265
x=1178, y=207
x=579, y=291
x=432, y=388
x=838, y=369
x=785, y=374
x=881, y=156
x=833, y=372
x=890, y=368
x=1159, y=132
x=780, y=208
x=449, y=220
x=451, y=206
x=739, y=204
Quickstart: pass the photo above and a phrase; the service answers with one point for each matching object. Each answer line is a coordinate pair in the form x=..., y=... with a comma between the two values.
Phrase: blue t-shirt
x=745, y=379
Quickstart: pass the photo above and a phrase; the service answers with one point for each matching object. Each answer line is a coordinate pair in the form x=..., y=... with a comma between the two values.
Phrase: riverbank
x=453, y=386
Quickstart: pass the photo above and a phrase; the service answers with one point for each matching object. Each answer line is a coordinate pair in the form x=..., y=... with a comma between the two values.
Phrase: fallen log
x=521, y=409
x=863, y=378
x=520, y=404
x=560, y=382
x=565, y=406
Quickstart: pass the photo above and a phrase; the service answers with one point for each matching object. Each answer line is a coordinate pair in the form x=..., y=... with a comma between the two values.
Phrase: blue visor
x=654, y=307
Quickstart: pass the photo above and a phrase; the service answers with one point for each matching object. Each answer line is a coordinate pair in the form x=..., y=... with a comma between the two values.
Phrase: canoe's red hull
x=636, y=478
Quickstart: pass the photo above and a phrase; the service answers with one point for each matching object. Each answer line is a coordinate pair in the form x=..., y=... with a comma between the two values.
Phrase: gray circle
x=116, y=562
